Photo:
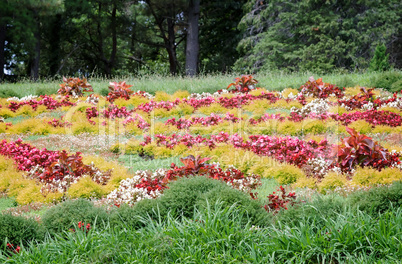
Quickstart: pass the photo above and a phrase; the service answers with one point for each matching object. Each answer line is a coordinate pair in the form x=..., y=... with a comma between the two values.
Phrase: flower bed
x=295, y=129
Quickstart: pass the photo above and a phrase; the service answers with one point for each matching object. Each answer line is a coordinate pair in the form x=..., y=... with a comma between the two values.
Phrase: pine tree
x=380, y=61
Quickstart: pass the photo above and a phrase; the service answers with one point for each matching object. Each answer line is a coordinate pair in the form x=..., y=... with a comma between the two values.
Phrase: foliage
x=228, y=197
x=67, y=169
x=317, y=88
x=317, y=209
x=396, y=86
x=74, y=87
x=280, y=201
x=361, y=150
x=64, y=216
x=379, y=199
x=6, y=93
x=133, y=216
x=17, y=229
x=286, y=173
x=183, y=194
x=371, y=177
x=279, y=35
x=380, y=60
x=386, y=80
x=85, y=187
x=119, y=90
x=243, y=84
x=331, y=181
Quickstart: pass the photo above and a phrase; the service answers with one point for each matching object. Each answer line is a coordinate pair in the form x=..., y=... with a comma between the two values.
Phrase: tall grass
x=216, y=235
x=202, y=83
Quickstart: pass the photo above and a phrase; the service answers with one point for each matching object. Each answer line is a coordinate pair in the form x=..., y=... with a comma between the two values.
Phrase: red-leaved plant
x=243, y=84
x=67, y=169
x=192, y=166
x=361, y=150
x=74, y=87
x=280, y=201
x=119, y=90
x=317, y=88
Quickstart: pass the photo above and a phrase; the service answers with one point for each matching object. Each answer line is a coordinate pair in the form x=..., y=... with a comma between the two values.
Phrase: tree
x=40, y=9
x=315, y=35
x=380, y=62
x=97, y=36
x=193, y=46
x=219, y=35
x=15, y=33
x=168, y=20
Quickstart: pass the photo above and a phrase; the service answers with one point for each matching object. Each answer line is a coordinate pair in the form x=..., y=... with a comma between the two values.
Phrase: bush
x=396, y=87
x=379, y=199
x=66, y=215
x=386, y=80
x=183, y=194
x=332, y=180
x=6, y=93
x=133, y=217
x=318, y=210
x=380, y=62
x=286, y=173
x=104, y=91
x=85, y=187
x=228, y=197
x=17, y=229
x=183, y=197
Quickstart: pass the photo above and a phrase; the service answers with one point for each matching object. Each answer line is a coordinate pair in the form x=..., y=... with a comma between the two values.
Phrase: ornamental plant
x=45, y=100
x=279, y=201
x=74, y=87
x=243, y=84
x=67, y=169
x=361, y=150
x=119, y=90
x=317, y=88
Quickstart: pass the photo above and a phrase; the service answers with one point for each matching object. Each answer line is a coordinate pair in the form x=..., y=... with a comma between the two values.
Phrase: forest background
x=53, y=38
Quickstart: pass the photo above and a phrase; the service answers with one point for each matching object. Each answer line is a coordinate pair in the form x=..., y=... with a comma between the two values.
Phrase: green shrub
x=133, y=217
x=378, y=199
x=104, y=92
x=228, y=196
x=386, y=80
x=396, y=86
x=6, y=93
x=17, y=229
x=380, y=62
x=317, y=210
x=183, y=194
x=66, y=215
x=181, y=200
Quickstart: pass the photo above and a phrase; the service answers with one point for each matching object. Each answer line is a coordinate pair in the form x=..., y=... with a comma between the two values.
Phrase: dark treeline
x=46, y=38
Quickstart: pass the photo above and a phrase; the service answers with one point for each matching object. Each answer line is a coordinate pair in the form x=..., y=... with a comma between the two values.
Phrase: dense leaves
x=361, y=150
x=74, y=87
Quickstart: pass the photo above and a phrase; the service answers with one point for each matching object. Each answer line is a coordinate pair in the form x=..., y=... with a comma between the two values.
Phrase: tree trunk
x=193, y=46
x=3, y=29
x=54, y=45
x=35, y=60
x=171, y=47
x=112, y=60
